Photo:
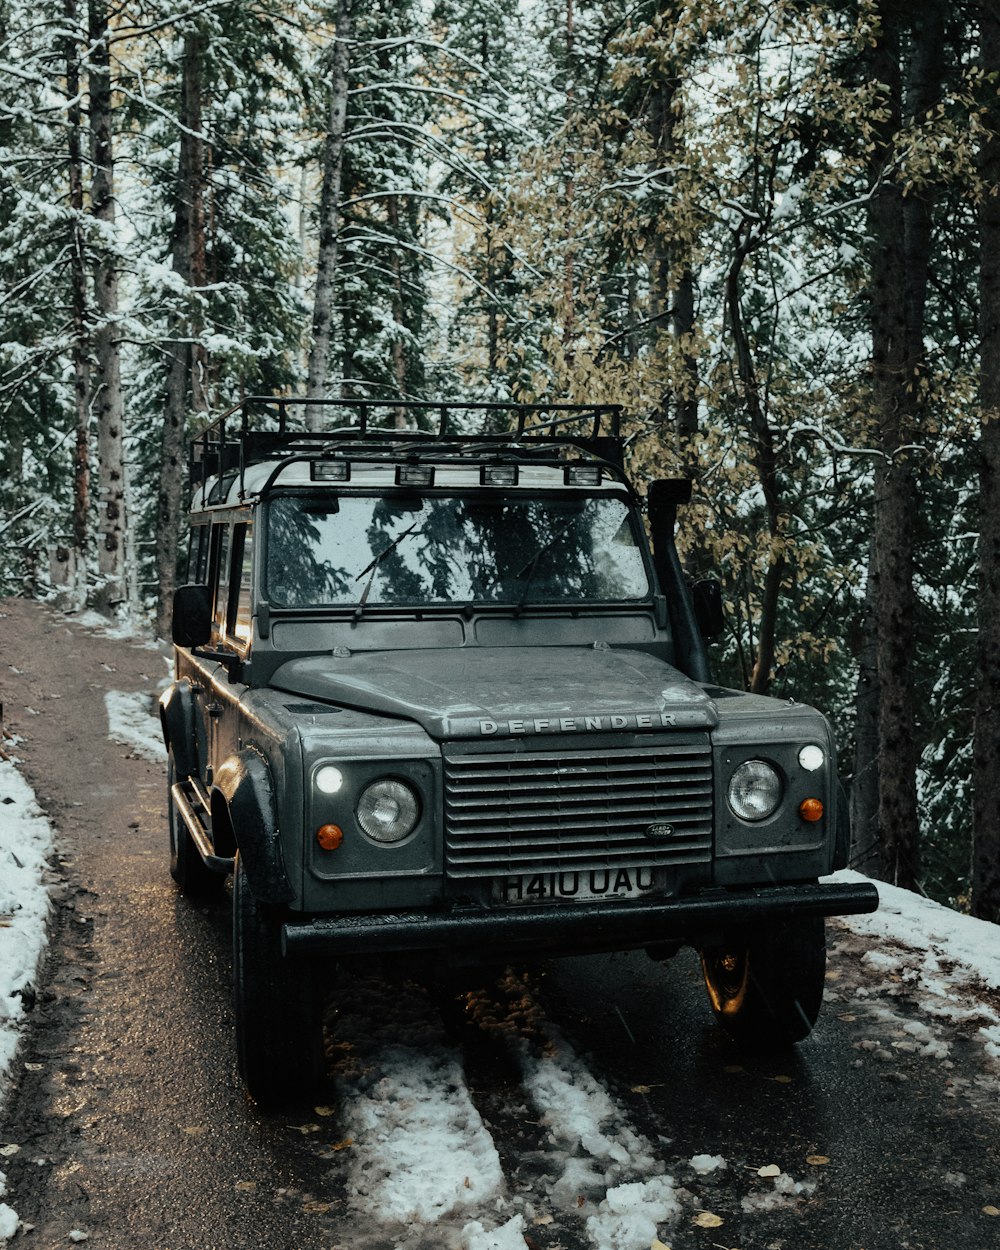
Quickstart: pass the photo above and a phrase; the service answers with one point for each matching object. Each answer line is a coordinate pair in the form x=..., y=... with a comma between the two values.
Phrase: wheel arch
x=245, y=818
x=177, y=727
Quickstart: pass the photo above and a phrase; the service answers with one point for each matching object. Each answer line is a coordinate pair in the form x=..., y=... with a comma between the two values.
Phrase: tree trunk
x=895, y=494
x=766, y=461
x=184, y=386
x=78, y=282
x=865, y=841
x=398, y=315
x=986, y=755
x=111, y=560
x=329, y=215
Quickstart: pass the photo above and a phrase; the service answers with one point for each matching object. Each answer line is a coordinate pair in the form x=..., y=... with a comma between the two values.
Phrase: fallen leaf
x=847, y=1018
x=707, y=1220
x=304, y=1129
x=641, y=1089
x=656, y=1244
x=325, y=1111
x=733, y=1068
x=245, y=1187
x=544, y=1219
x=991, y=1210
x=783, y=1080
x=343, y=1145
x=818, y=1161
x=771, y=1169
x=34, y=1067
x=316, y=1208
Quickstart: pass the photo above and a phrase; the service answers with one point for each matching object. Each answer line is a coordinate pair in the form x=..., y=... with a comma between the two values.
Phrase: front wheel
x=278, y=1033
x=765, y=984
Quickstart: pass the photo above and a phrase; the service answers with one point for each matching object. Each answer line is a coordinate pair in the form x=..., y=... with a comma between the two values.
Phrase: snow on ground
x=418, y=1152
x=126, y=630
x=134, y=722
x=935, y=955
x=25, y=843
x=606, y=1161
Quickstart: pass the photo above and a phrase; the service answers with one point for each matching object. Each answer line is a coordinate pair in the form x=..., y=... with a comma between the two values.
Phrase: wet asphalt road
x=133, y=1128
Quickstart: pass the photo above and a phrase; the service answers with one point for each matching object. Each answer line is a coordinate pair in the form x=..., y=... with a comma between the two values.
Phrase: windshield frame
x=507, y=607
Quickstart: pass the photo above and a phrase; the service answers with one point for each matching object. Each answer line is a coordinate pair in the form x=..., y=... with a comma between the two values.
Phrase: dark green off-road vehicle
x=436, y=693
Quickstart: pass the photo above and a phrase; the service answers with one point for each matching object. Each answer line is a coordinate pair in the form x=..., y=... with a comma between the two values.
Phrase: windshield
x=441, y=549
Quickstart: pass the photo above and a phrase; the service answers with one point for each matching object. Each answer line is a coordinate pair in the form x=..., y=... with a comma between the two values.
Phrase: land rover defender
x=436, y=692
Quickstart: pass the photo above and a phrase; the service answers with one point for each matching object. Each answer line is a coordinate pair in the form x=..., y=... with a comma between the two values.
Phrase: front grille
x=541, y=811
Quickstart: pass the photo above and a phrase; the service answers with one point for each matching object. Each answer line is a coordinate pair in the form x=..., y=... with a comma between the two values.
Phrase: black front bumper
x=564, y=928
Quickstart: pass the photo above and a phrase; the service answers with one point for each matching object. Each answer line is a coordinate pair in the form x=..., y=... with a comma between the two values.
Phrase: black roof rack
x=266, y=428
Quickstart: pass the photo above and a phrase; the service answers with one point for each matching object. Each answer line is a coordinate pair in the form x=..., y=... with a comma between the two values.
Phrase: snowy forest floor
x=576, y=1104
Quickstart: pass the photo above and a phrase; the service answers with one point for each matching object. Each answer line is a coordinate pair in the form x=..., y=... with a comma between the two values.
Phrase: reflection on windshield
x=456, y=549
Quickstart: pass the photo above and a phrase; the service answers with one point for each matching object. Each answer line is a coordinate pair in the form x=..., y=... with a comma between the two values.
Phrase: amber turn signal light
x=811, y=810
x=329, y=836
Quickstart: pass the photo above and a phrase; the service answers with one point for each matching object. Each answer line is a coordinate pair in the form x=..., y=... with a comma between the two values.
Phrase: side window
x=240, y=603
x=197, y=569
x=220, y=575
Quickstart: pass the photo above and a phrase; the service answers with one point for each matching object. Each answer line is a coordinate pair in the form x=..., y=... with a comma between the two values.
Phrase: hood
x=507, y=691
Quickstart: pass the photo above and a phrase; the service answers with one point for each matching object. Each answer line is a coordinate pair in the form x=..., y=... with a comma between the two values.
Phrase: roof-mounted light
x=583, y=475
x=498, y=475
x=414, y=475
x=330, y=470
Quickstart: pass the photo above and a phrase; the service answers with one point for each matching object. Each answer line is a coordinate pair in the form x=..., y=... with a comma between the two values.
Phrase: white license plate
x=577, y=886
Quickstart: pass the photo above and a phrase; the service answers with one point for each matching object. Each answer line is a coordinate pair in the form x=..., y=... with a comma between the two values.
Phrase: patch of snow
x=9, y=1223
x=925, y=925
x=509, y=1236
x=421, y=1150
x=784, y=1193
x=940, y=956
x=704, y=1164
x=133, y=722
x=628, y=1216
x=123, y=630
x=25, y=844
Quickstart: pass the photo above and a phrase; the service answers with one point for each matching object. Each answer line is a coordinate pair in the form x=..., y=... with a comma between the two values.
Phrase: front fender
x=244, y=818
x=177, y=724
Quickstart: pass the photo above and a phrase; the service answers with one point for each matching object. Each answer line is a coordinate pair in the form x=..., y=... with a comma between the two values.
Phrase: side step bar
x=193, y=823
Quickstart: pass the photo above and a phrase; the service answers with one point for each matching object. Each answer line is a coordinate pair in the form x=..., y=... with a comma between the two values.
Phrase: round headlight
x=388, y=810
x=755, y=790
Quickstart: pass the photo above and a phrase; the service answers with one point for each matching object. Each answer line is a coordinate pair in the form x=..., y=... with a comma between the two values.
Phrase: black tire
x=186, y=866
x=765, y=984
x=279, y=1037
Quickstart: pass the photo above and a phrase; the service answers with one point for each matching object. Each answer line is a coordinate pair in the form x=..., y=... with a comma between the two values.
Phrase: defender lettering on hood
x=578, y=724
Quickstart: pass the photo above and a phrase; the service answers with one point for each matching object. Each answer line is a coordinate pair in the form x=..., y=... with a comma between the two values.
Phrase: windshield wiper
x=373, y=568
x=532, y=564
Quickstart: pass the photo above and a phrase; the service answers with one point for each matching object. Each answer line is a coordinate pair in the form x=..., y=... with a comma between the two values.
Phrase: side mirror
x=191, y=625
x=706, y=595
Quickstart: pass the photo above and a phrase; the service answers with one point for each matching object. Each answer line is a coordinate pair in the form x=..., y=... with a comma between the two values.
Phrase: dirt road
x=570, y=1103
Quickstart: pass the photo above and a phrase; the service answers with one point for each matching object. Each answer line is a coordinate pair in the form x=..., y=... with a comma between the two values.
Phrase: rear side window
x=240, y=601
x=197, y=568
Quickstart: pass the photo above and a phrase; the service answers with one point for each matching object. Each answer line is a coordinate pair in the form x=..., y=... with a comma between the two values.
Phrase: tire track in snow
x=608, y=1178
x=418, y=1161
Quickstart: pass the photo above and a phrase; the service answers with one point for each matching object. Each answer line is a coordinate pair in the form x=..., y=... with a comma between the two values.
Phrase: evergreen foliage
x=680, y=207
